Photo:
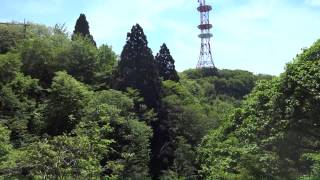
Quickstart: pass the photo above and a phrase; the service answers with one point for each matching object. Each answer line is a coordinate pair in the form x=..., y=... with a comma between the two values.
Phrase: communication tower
x=205, y=58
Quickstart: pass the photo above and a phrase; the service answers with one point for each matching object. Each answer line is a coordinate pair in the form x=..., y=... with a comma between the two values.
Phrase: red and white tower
x=205, y=58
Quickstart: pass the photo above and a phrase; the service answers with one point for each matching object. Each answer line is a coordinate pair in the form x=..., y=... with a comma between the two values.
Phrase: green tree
x=224, y=83
x=19, y=108
x=165, y=64
x=10, y=65
x=241, y=146
x=65, y=106
x=79, y=59
x=106, y=62
x=77, y=155
x=42, y=57
x=10, y=36
x=137, y=68
x=38, y=59
x=82, y=29
x=181, y=125
x=6, y=150
x=273, y=134
x=131, y=147
x=18, y=94
x=185, y=164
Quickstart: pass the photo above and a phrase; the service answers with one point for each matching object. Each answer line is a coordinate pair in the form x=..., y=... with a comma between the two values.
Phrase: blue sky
x=256, y=35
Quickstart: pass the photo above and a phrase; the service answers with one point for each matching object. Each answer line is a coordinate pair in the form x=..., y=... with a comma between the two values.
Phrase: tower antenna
x=205, y=58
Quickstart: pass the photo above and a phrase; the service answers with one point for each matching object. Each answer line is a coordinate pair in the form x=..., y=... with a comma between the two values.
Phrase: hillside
x=70, y=109
x=273, y=135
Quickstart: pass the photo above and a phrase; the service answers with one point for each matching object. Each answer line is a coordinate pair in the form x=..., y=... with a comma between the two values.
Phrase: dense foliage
x=274, y=134
x=70, y=109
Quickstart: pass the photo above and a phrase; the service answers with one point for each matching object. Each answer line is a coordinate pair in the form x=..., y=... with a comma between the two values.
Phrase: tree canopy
x=166, y=65
x=273, y=134
x=82, y=29
x=70, y=109
x=137, y=68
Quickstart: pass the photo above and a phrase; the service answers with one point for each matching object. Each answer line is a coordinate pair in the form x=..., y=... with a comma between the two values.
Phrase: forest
x=70, y=109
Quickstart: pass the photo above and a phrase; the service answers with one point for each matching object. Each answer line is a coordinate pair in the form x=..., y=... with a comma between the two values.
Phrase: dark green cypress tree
x=82, y=28
x=166, y=65
x=137, y=68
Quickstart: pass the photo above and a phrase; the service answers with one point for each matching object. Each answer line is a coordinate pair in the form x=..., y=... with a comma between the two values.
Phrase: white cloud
x=262, y=35
x=112, y=18
x=256, y=35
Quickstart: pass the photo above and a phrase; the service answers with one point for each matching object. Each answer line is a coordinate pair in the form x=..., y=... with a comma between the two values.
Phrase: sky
x=260, y=36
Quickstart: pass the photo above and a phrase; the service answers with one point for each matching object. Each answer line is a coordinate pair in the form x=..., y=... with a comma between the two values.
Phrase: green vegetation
x=70, y=109
x=273, y=135
x=82, y=29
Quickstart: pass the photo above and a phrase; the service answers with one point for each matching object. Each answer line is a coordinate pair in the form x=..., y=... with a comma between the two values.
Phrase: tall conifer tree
x=82, y=28
x=166, y=65
x=137, y=68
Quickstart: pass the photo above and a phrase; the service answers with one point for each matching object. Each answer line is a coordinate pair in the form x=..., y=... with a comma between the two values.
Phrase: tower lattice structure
x=205, y=58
